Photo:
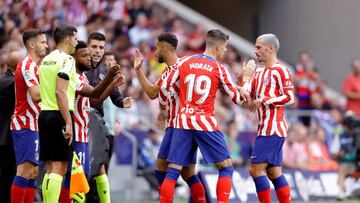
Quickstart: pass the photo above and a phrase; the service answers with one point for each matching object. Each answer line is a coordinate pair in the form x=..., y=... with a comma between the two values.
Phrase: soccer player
x=82, y=108
x=57, y=91
x=100, y=153
x=166, y=53
x=271, y=88
x=200, y=76
x=24, y=124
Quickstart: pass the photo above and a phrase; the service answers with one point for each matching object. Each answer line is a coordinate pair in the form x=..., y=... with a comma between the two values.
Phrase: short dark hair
x=110, y=53
x=169, y=38
x=96, y=36
x=32, y=33
x=215, y=35
x=63, y=31
x=80, y=45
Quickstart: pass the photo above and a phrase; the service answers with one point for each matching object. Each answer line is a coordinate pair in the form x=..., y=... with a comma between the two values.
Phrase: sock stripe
x=21, y=182
x=279, y=182
x=226, y=171
x=160, y=176
x=261, y=183
x=192, y=180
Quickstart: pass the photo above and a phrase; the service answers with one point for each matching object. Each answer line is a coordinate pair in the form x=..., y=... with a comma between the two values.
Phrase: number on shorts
x=81, y=156
x=36, y=145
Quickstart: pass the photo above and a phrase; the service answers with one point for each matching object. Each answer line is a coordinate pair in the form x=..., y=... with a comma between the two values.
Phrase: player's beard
x=161, y=59
x=83, y=67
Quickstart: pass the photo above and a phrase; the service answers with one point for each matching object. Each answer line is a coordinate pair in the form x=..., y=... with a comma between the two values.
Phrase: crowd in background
x=313, y=141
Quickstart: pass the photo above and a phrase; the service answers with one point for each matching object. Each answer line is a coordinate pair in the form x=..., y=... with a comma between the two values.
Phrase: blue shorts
x=82, y=151
x=268, y=149
x=165, y=145
x=26, y=146
x=184, y=144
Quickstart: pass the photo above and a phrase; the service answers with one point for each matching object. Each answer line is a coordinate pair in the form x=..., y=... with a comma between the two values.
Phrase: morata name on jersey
x=201, y=66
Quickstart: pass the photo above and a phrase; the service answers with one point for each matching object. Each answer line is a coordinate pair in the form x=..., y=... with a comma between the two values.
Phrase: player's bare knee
x=255, y=171
x=25, y=170
x=161, y=164
x=273, y=172
x=59, y=167
x=35, y=172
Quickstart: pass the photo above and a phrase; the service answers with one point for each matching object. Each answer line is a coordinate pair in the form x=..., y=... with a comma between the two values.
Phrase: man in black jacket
x=100, y=158
x=7, y=105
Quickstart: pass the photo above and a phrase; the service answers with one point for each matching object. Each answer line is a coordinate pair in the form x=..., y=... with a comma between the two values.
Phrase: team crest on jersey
x=27, y=75
x=288, y=83
x=86, y=108
x=266, y=81
x=101, y=76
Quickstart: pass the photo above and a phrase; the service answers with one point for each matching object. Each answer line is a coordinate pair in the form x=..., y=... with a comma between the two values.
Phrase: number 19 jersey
x=199, y=78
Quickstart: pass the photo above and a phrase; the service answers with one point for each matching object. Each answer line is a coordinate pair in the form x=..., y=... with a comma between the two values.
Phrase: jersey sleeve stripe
x=228, y=85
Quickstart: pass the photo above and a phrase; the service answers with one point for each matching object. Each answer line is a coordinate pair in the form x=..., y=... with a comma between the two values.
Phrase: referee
x=57, y=89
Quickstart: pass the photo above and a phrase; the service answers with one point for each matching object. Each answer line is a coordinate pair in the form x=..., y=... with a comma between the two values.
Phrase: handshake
x=242, y=82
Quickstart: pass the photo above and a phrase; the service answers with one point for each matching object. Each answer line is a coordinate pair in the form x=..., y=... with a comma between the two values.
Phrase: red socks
x=29, y=195
x=223, y=189
x=17, y=194
x=282, y=189
x=168, y=186
x=264, y=196
x=198, y=193
x=167, y=191
x=65, y=195
x=283, y=194
x=18, y=189
x=263, y=189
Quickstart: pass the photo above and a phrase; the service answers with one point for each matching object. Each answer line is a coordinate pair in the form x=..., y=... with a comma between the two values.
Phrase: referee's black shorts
x=53, y=145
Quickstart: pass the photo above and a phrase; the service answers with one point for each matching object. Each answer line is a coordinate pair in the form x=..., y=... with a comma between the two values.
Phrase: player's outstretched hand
x=248, y=69
x=68, y=132
x=138, y=60
x=254, y=105
x=113, y=71
x=128, y=101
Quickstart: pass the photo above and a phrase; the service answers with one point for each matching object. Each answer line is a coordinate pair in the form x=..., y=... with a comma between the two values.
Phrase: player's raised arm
x=150, y=89
x=246, y=81
x=286, y=86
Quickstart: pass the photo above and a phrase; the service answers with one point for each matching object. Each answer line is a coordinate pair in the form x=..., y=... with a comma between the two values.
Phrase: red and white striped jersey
x=275, y=88
x=81, y=110
x=199, y=78
x=173, y=100
x=26, y=111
